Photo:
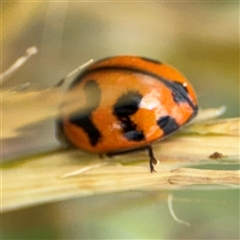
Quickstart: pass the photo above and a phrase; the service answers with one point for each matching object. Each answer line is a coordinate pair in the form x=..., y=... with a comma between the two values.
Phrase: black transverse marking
x=180, y=95
x=179, y=92
x=167, y=124
x=151, y=60
x=82, y=117
x=135, y=135
x=126, y=106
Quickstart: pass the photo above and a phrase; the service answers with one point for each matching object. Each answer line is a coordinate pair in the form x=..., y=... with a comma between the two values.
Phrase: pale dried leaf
x=27, y=108
x=62, y=175
x=210, y=113
x=43, y=178
x=229, y=127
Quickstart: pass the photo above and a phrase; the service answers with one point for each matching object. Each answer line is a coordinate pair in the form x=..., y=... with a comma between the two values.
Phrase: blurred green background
x=201, y=39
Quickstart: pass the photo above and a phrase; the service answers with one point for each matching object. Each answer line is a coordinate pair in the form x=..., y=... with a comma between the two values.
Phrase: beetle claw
x=152, y=161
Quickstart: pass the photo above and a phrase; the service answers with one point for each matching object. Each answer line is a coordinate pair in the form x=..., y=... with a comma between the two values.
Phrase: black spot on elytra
x=180, y=95
x=127, y=105
x=135, y=135
x=179, y=92
x=167, y=124
x=83, y=117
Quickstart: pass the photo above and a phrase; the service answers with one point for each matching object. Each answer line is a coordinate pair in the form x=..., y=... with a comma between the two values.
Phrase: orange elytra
x=125, y=103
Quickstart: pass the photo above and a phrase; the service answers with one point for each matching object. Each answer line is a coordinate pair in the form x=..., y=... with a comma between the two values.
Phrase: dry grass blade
x=229, y=127
x=28, y=107
x=52, y=176
x=59, y=175
x=189, y=176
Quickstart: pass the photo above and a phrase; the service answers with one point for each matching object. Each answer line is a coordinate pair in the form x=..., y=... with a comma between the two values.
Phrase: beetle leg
x=152, y=160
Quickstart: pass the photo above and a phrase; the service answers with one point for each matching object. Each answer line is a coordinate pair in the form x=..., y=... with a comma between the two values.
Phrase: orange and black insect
x=125, y=103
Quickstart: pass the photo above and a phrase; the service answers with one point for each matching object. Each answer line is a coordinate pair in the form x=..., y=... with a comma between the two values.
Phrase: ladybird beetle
x=125, y=103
